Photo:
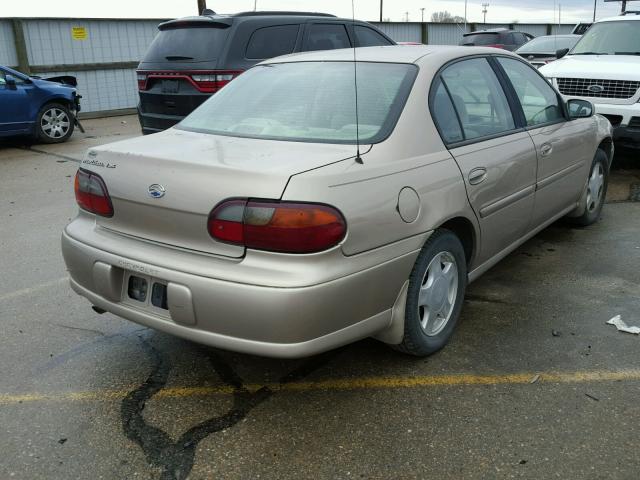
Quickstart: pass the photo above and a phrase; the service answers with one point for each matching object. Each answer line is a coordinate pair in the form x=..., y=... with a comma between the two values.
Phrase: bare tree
x=445, y=17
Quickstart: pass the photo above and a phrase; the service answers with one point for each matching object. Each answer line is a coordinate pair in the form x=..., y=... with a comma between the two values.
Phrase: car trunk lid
x=164, y=186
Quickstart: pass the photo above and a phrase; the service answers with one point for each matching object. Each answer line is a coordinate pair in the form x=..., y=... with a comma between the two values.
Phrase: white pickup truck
x=604, y=67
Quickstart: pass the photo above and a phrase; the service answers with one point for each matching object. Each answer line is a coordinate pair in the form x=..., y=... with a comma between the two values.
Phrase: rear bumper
x=256, y=319
x=156, y=122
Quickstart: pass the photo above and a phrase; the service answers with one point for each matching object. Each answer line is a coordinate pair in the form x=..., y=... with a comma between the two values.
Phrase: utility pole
x=559, y=16
x=595, y=7
x=407, y=16
x=624, y=6
x=380, y=11
x=202, y=4
x=422, y=10
x=484, y=11
x=255, y=5
x=465, y=16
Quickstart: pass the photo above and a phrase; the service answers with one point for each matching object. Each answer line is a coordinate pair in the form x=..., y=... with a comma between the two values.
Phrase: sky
x=499, y=11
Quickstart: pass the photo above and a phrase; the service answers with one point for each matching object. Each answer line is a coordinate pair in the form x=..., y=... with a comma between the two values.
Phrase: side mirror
x=10, y=81
x=579, y=108
x=562, y=52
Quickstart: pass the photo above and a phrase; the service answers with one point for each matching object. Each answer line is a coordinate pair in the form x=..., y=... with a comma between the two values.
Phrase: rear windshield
x=481, y=39
x=548, y=44
x=193, y=44
x=308, y=102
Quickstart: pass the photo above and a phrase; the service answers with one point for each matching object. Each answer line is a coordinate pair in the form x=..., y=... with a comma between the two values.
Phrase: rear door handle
x=546, y=149
x=477, y=175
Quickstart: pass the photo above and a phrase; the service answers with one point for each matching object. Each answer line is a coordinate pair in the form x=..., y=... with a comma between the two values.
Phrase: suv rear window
x=308, y=102
x=269, y=42
x=481, y=39
x=189, y=44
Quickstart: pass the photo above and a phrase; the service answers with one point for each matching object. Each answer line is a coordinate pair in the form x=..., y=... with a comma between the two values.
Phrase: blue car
x=43, y=109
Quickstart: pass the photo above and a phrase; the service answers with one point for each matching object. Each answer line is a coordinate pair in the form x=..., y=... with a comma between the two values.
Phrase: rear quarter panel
x=367, y=194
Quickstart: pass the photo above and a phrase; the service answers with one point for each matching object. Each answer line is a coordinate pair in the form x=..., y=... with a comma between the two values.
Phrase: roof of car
x=619, y=18
x=228, y=19
x=387, y=54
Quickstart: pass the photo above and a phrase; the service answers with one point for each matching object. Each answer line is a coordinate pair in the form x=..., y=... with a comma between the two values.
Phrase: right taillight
x=92, y=194
x=289, y=227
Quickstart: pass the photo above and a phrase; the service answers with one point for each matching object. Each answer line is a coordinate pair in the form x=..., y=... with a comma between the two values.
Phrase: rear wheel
x=54, y=124
x=434, y=298
x=593, y=200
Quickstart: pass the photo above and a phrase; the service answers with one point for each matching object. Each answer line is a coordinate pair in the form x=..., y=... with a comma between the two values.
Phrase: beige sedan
x=286, y=216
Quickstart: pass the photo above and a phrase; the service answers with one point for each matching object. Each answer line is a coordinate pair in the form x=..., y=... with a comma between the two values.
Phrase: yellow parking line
x=337, y=384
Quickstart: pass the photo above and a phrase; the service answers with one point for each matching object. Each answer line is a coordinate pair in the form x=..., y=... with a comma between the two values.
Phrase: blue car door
x=14, y=106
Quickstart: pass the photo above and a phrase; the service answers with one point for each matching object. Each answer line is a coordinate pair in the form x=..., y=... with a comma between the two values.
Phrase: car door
x=563, y=148
x=496, y=157
x=14, y=113
x=325, y=36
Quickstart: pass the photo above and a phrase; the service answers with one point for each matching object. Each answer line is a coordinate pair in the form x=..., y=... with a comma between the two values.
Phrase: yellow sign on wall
x=79, y=33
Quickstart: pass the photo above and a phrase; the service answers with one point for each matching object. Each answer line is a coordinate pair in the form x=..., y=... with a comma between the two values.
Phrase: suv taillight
x=289, y=227
x=92, y=194
x=142, y=81
x=496, y=45
x=205, y=81
x=213, y=81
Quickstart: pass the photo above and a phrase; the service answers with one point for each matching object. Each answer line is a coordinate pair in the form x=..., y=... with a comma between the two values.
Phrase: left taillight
x=288, y=227
x=92, y=194
x=142, y=81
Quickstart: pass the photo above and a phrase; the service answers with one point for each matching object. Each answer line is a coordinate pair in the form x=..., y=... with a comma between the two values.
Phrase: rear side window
x=2, y=79
x=368, y=37
x=445, y=115
x=326, y=36
x=185, y=45
x=269, y=42
x=481, y=39
x=478, y=98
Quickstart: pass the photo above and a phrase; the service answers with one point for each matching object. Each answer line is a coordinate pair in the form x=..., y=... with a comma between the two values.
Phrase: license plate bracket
x=170, y=86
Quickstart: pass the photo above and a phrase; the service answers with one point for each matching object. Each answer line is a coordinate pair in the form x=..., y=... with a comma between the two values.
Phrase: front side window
x=269, y=42
x=327, y=36
x=368, y=37
x=610, y=38
x=3, y=81
x=308, y=102
x=539, y=101
x=478, y=98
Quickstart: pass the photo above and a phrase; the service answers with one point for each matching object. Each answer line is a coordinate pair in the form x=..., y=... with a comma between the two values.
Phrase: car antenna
x=355, y=81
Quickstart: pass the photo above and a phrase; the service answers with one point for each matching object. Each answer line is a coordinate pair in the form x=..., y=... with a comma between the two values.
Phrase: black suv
x=191, y=58
x=498, y=38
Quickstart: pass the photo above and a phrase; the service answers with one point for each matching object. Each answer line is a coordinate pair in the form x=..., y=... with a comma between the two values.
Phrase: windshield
x=610, y=38
x=548, y=44
x=309, y=102
x=480, y=39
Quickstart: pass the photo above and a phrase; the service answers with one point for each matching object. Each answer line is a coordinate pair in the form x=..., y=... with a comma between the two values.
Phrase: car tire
x=593, y=200
x=435, y=295
x=54, y=124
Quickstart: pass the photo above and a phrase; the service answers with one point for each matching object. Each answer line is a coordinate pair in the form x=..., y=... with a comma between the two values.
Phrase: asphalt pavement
x=533, y=385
